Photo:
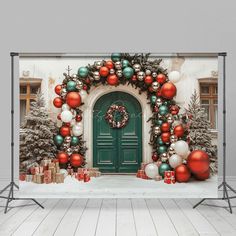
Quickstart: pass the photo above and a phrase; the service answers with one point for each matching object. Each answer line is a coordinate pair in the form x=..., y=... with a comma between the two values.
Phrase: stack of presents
x=49, y=172
x=169, y=176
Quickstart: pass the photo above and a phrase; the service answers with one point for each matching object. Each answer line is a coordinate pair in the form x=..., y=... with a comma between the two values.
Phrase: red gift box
x=80, y=176
x=139, y=173
x=22, y=176
x=32, y=170
x=169, y=177
x=47, y=176
x=86, y=178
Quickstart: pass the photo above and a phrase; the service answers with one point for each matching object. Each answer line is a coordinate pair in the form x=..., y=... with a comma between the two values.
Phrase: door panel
x=117, y=150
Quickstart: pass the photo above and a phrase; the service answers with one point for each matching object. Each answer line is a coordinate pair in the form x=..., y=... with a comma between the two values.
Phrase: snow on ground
x=119, y=186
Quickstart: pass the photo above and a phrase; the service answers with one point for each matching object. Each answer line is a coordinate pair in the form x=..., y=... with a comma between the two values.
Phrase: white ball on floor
x=151, y=170
x=64, y=171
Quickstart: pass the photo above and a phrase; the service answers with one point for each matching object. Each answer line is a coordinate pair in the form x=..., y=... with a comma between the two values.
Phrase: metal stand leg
x=12, y=184
x=224, y=185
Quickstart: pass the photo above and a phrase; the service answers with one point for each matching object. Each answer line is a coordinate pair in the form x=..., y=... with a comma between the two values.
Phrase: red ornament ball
x=154, y=156
x=165, y=137
x=73, y=99
x=198, y=161
x=174, y=110
x=104, y=71
x=161, y=78
x=112, y=80
x=87, y=81
x=179, y=131
x=158, y=93
x=67, y=124
x=78, y=118
x=58, y=89
x=134, y=78
x=62, y=157
x=165, y=127
x=65, y=131
x=203, y=176
x=59, y=116
x=182, y=173
x=155, y=109
x=148, y=79
x=76, y=160
x=168, y=90
x=57, y=102
x=85, y=87
x=109, y=64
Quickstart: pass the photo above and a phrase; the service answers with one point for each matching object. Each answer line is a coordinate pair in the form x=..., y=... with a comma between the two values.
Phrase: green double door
x=117, y=150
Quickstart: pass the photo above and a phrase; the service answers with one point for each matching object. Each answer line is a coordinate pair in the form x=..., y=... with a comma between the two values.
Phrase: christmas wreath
x=116, y=110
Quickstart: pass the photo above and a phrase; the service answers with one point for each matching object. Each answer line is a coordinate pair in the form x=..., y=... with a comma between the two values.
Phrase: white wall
x=99, y=26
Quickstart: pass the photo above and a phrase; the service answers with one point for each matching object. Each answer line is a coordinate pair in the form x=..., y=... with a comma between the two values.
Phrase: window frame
x=212, y=83
x=29, y=83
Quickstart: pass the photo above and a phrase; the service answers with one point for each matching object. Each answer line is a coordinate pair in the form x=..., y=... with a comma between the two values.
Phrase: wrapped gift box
x=47, y=176
x=59, y=178
x=169, y=177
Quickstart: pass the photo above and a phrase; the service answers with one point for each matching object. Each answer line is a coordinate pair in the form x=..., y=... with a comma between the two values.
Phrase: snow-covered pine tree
x=199, y=136
x=36, y=135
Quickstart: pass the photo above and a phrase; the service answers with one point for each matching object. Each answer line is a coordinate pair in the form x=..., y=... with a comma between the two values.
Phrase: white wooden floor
x=122, y=217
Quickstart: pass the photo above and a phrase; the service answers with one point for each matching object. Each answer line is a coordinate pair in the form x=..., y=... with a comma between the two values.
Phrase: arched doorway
x=117, y=150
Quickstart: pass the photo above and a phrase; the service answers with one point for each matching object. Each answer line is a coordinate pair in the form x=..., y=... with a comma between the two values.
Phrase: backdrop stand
x=12, y=186
x=224, y=185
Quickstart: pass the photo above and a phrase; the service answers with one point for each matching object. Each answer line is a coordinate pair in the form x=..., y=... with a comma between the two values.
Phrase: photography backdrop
x=176, y=133
x=93, y=27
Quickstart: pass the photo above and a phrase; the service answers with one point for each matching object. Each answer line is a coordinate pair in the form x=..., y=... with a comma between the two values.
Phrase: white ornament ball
x=77, y=130
x=175, y=160
x=83, y=95
x=181, y=148
x=64, y=172
x=66, y=116
x=65, y=107
x=174, y=76
x=151, y=170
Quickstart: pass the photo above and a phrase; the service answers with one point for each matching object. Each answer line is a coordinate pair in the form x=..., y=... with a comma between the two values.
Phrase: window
x=208, y=99
x=28, y=90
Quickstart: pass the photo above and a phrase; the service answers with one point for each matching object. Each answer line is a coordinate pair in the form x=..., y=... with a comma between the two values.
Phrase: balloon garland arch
x=138, y=71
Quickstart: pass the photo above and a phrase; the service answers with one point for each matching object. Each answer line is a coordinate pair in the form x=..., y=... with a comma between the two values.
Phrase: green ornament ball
x=83, y=72
x=167, y=103
x=158, y=122
x=159, y=141
x=71, y=86
x=116, y=57
x=153, y=99
x=163, y=110
x=74, y=141
x=161, y=149
x=162, y=168
x=125, y=63
x=128, y=72
x=58, y=140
